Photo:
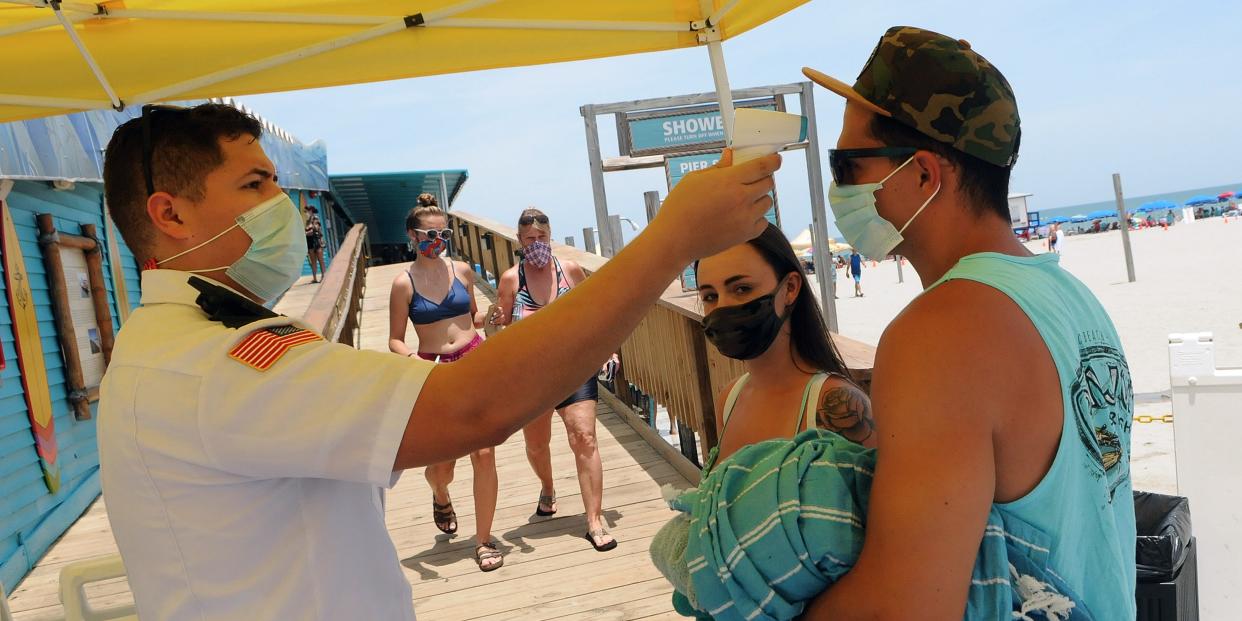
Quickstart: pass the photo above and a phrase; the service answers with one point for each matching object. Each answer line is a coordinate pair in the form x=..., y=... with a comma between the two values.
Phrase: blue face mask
x=277, y=248
x=860, y=223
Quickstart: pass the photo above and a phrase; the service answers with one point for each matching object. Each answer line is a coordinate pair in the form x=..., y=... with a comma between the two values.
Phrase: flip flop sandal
x=487, y=552
x=545, y=501
x=600, y=532
x=444, y=516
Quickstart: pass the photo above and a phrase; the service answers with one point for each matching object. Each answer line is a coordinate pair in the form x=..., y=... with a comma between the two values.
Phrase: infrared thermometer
x=757, y=133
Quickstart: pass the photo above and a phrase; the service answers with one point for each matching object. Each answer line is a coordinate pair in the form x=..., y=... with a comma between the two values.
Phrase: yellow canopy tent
x=60, y=56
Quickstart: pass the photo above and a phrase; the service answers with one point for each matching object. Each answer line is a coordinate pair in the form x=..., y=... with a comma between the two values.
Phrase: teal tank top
x=1085, y=502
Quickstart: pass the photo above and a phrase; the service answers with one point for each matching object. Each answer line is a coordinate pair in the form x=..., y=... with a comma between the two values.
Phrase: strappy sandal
x=487, y=552
x=545, y=500
x=600, y=532
x=444, y=516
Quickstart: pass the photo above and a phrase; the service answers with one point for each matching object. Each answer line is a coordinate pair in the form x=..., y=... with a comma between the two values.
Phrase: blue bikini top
x=455, y=304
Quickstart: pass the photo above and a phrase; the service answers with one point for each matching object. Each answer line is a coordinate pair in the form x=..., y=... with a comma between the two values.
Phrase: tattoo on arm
x=847, y=411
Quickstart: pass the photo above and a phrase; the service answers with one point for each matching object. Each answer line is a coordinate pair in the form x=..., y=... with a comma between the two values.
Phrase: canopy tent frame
x=707, y=29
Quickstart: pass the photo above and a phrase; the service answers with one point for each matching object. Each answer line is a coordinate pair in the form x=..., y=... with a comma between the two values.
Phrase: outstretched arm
x=460, y=409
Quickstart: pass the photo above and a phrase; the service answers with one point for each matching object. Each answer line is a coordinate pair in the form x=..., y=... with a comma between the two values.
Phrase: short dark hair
x=185, y=148
x=985, y=183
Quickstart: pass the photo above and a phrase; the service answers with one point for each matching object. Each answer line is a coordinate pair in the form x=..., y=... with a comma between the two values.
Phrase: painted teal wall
x=31, y=518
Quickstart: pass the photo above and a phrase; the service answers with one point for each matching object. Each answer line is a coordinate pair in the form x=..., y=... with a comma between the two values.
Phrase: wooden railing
x=337, y=307
x=666, y=360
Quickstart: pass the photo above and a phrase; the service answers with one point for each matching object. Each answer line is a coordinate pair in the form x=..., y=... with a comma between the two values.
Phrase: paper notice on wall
x=82, y=311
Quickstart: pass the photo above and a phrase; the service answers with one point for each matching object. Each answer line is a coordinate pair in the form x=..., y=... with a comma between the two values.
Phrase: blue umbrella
x=1201, y=199
x=1058, y=220
x=1079, y=218
x=1157, y=206
x=1101, y=213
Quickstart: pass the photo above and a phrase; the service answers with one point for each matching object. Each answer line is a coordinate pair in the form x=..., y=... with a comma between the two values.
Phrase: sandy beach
x=1188, y=279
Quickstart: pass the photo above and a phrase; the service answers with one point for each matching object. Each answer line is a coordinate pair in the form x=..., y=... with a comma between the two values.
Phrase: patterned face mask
x=432, y=249
x=538, y=254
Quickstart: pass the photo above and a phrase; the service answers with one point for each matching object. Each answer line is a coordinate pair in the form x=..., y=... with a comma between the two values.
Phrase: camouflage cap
x=940, y=87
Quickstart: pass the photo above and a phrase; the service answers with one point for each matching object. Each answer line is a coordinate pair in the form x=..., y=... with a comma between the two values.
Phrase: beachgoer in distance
x=856, y=261
x=314, y=243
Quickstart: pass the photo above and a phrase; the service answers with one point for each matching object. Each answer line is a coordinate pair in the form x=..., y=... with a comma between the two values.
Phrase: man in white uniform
x=240, y=452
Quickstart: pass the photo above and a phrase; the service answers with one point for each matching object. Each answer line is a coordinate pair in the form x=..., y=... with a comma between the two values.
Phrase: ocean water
x=1132, y=202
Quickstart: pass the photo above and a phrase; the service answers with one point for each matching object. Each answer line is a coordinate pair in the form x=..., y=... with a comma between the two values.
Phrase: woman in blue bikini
x=535, y=282
x=447, y=331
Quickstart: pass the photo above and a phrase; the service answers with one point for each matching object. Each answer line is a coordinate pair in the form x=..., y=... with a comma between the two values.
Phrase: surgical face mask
x=432, y=248
x=745, y=331
x=860, y=223
x=277, y=248
x=538, y=254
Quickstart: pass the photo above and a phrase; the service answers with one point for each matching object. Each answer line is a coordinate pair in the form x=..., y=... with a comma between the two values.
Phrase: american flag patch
x=263, y=348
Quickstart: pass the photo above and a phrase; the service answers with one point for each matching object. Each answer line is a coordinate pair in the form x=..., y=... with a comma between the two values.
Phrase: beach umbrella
x=802, y=241
x=1201, y=199
x=115, y=55
x=1224, y=195
x=1157, y=206
x=1101, y=213
x=1081, y=217
x=1057, y=220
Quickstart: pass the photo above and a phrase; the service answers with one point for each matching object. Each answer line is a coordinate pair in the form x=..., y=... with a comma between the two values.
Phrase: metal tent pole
x=709, y=33
x=822, y=257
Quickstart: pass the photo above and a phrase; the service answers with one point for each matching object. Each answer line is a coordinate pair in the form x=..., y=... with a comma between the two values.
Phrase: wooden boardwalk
x=550, y=570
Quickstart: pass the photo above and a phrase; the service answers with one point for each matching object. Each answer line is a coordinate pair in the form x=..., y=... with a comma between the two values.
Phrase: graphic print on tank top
x=1103, y=398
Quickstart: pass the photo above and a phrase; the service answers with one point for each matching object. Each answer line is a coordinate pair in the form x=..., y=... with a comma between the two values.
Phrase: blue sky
x=1151, y=90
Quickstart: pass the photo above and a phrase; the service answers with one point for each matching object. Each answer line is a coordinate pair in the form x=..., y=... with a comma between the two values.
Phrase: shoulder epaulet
x=227, y=307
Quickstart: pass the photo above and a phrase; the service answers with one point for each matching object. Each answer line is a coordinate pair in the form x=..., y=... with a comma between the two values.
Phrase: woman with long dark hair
x=759, y=309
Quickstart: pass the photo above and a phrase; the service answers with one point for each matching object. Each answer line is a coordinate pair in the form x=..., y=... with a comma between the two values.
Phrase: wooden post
x=466, y=246
x=1125, y=226
x=49, y=242
x=598, y=193
x=99, y=292
x=510, y=258
x=651, y=200
x=588, y=240
x=491, y=237
x=707, y=400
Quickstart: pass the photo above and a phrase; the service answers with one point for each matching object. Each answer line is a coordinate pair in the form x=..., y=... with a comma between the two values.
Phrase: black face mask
x=745, y=331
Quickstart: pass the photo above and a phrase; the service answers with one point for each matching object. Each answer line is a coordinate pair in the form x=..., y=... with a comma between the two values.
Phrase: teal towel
x=779, y=521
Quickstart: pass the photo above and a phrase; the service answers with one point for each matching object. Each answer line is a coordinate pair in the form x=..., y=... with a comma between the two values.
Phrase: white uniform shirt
x=237, y=494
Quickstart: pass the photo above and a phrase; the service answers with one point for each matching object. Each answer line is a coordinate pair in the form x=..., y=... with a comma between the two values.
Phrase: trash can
x=1168, y=575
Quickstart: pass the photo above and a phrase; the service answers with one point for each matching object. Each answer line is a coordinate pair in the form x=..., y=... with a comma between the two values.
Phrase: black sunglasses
x=839, y=160
x=148, y=147
x=529, y=220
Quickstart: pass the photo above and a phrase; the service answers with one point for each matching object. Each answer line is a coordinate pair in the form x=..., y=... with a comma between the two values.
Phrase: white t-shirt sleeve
x=324, y=410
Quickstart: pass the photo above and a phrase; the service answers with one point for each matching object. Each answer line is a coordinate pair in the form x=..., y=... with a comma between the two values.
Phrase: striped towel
x=780, y=521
